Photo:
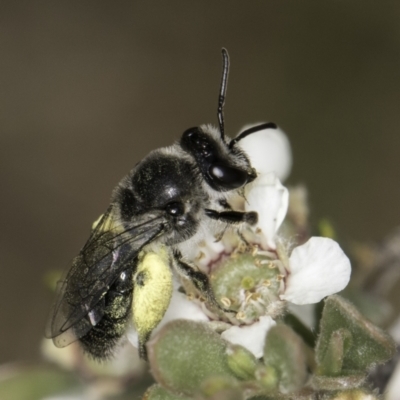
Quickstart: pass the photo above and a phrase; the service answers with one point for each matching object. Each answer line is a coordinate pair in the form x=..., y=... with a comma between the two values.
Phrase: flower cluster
x=256, y=271
x=257, y=338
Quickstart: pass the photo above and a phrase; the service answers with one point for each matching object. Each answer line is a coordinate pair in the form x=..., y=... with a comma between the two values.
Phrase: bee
x=159, y=211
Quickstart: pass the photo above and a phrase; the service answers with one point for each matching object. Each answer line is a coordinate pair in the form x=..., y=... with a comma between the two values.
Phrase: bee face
x=164, y=205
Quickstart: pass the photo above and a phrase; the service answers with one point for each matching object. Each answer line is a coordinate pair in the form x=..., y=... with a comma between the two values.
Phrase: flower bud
x=242, y=363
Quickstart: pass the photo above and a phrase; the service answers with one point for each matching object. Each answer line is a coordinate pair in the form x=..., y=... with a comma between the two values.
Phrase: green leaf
x=376, y=309
x=369, y=345
x=332, y=383
x=221, y=388
x=157, y=392
x=284, y=352
x=351, y=394
x=186, y=353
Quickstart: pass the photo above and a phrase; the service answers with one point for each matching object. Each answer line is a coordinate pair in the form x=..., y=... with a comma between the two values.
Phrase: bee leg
x=233, y=217
x=151, y=294
x=199, y=280
x=242, y=238
x=142, y=347
x=221, y=234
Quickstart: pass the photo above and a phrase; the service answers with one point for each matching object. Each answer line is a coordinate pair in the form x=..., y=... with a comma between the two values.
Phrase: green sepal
x=332, y=362
x=185, y=353
x=241, y=362
x=369, y=345
x=284, y=352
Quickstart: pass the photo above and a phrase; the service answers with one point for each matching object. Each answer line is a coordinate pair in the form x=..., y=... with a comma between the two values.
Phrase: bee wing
x=110, y=250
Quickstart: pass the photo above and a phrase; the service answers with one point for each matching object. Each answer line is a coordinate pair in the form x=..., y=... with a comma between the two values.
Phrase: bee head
x=222, y=167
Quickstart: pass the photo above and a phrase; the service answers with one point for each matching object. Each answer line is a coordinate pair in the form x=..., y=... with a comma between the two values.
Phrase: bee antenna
x=222, y=92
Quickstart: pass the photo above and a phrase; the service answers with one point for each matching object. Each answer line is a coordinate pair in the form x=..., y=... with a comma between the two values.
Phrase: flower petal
x=270, y=199
x=208, y=251
x=252, y=337
x=318, y=268
x=180, y=307
x=269, y=151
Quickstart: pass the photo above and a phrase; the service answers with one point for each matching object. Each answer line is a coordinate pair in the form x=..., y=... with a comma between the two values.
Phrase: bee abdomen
x=101, y=341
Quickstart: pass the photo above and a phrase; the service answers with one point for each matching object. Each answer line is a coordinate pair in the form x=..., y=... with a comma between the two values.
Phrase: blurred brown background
x=89, y=88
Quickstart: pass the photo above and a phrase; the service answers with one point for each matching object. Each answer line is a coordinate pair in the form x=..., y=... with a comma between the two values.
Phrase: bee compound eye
x=175, y=209
x=228, y=177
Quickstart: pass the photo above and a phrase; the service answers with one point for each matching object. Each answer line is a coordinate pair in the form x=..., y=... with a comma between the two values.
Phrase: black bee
x=164, y=206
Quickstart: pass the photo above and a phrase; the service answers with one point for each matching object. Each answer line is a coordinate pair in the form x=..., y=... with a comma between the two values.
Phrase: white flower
x=270, y=199
x=269, y=151
x=251, y=337
x=259, y=282
x=314, y=270
x=318, y=269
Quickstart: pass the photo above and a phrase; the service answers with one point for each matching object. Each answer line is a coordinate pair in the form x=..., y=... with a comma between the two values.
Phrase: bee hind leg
x=199, y=280
x=142, y=346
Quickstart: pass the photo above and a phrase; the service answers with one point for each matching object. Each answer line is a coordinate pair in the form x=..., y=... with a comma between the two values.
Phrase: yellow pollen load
x=152, y=291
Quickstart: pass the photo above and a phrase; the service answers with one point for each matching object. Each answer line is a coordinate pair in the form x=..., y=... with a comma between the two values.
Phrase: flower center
x=249, y=281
